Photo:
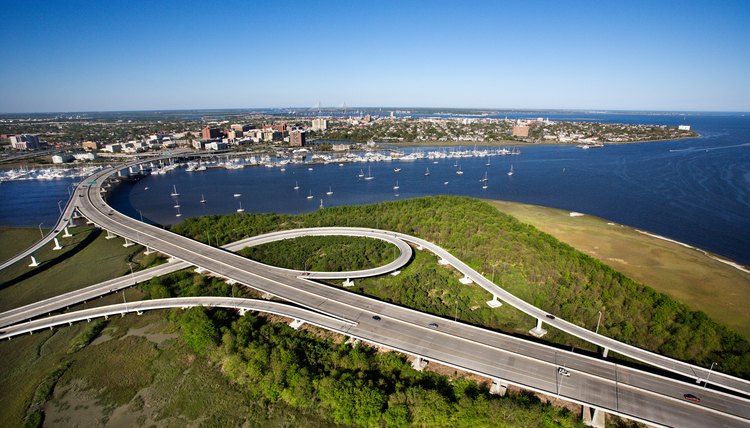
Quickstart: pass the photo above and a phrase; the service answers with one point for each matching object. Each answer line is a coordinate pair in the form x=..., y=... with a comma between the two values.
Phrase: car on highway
x=432, y=325
x=550, y=316
x=562, y=371
x=376, y=317
x=692, y=398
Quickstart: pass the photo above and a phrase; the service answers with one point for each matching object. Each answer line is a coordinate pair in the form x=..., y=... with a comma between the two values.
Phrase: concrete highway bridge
x=597, y=384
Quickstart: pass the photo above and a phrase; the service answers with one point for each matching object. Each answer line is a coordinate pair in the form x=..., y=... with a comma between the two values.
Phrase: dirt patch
x=154, y=337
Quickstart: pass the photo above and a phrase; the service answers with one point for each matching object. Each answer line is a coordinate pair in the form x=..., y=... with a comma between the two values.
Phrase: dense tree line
x=532, y=265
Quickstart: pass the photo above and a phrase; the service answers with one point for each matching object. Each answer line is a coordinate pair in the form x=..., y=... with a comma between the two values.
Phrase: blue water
x=695, y=191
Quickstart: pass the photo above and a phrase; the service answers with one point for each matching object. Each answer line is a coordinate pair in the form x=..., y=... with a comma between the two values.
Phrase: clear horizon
x=669, y=56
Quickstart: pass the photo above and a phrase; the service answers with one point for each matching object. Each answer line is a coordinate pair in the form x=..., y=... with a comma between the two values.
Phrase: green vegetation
x=687, y=275
x=530, y=264
x=353, y=385
x=324, y=253
x=86, y=258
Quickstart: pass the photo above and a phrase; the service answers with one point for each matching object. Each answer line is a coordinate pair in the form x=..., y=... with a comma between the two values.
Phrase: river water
x=696, y=191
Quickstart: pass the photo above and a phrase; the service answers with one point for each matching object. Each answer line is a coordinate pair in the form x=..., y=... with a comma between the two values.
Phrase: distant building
x=684, y=127
x=520, y=131
x=64, y=158
x=90, y=145
x=112, y=148
x=208, y=133
x=84, y=156
x=236, y=127
x=234, y=134
x=24, y=142
x=319, y=124
x=216, y=145
x=340, y=147
x=271, y=135
x=297, y=138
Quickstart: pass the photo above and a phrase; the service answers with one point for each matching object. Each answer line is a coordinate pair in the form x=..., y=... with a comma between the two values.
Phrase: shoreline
x=726, y=261
x=513, y=143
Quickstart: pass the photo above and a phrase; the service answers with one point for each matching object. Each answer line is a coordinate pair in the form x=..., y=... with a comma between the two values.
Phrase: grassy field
x=86, y=258
x=687, y=275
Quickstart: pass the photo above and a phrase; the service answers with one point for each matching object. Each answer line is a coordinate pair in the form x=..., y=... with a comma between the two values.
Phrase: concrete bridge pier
x=148, y=251
x=442, y=262
x=128, y=243
x=67, y=234
x=352, y=341
x=296, y=324
x=110, y=235
x=57, y=245
x=605, y=351
x=494, y=303
x=419, y=364
x=348, y=283
x=242, y=311
x=498, y=387
x=538, y=331
x=465, y=280
x=593, y=417
x=34, y=263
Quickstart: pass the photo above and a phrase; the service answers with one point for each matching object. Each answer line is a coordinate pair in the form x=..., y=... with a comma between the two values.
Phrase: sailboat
x=310, y=196
x=179, y=214
x=488, y=162
x=240, y=209
x=369, y=174
x=459, y=172
x=145, y=188
x=396, y=170
x=237, y=195
x=484, y=180
x=330, y=191
x=321, y=204
x=174, y=191
x=396, y=187
x=361, y=173
x=511, y=170
x=426, y=173
x=203, y=199
x=296, y=186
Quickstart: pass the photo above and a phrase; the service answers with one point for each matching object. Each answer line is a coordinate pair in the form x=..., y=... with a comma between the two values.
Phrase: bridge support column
x=110, y=235
x=395, y=273
x=128, y=243
x=352, y=341
x=465, y=280
x=494, y=303
x=538, y=331
x=419, y=364
x=296, y=324
x=148, y=251
x=67, y=234
x=442, y=262
x=420, y=248
x=57, y=245
x=266, y=296
x=605, y=351
x=498, y=387
x=348, y=283
x=593, y=419
x=34, y=263
x=242, y=311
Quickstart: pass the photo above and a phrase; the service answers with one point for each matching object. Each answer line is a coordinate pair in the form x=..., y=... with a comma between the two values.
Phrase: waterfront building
x=520, y=131
x=24, y=142
x=297, y=138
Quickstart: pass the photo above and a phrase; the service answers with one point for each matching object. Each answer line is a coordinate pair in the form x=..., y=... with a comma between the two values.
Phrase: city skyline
x=670, y=56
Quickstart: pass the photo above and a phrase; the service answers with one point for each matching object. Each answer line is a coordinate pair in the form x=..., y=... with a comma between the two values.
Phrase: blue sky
x=140, y=55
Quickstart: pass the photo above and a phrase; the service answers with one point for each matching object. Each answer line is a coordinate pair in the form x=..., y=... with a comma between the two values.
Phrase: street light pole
x=709, y=374
x=40, y=229
x=599, y=321
x=59, y=207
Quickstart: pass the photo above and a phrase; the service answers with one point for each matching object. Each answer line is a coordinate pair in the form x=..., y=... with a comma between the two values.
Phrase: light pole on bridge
x=40, y=229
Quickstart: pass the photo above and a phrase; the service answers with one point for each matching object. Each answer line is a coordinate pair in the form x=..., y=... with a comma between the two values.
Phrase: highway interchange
x=617, y=389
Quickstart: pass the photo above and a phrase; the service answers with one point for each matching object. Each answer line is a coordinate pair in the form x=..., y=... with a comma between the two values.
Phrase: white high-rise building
x=319, y=124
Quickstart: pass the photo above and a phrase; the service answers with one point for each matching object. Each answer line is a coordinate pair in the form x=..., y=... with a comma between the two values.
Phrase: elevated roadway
x=628, y=392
